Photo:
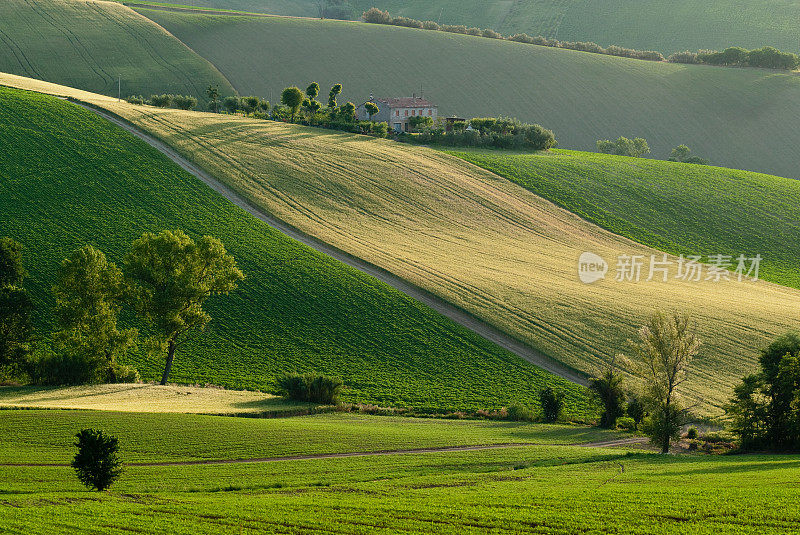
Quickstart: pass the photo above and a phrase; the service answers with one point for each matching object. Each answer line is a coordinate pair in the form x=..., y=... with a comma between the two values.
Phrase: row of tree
x=164, y=281
x=767, y=57
x=502, y=133
x=638, y=147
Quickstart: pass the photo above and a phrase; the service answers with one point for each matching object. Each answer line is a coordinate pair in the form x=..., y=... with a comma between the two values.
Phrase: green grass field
x=533, y=489
x=93, y=45
x=679, y=208
x=582, y=97
x=663, y=26
x=479, y=241
x=68, y=178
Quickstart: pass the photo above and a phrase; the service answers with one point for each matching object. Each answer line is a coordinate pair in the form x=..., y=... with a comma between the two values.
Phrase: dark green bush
x=160, y=101
x=691, y=433
x=552, y=402
x=97, y=464
x=313, y=387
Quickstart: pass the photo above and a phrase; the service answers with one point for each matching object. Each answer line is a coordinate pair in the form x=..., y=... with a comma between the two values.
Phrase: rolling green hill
x=649, y=24
x=93, y=45
x=740, y=118
x=67, y=178
x=481, y=242
x=675, y=207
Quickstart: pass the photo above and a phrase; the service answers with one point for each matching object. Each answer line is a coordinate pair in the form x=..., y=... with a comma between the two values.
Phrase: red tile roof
x=407, y=102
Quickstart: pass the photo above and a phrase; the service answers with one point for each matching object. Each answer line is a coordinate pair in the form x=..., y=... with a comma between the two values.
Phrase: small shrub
x=97, y=464
x=520, y=413
x=135, y=99
x=376, y=16
x=184, y=102
x=123, y=374
x=313, y=387
x=627, y=423
x=691, y=433
x=552, y=404
x=430, y=25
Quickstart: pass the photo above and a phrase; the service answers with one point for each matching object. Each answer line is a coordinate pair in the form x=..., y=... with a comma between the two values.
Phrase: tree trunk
x=664, y=444
x=170, y=357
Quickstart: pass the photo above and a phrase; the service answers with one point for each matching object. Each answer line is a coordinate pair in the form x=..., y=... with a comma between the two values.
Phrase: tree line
x=494, y=132
x=638, y=147
x=766, y=57
x=164, y=282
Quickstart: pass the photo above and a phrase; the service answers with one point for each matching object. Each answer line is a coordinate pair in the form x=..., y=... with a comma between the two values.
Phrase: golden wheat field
x=493, y=248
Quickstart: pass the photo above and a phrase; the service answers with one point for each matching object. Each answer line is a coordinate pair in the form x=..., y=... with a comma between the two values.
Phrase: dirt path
x=447, y=449
x=438, y=304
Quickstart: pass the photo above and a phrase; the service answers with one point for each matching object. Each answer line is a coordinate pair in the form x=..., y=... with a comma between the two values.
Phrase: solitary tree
x=680, y=153
x=371, y=109
x=171, y=276
x=665, y=347
x=16, y=306
x=292, y=97
x=97, y=462
x=334, y=92
x=607, y=389
x=89, y=292
x=212, y=91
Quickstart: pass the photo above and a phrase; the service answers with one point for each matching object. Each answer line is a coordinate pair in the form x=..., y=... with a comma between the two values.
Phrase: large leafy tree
x=292, y=98
x=97, y=463
x=16, y=306
x=89, y=293
x=171, y=276
x=665, y=347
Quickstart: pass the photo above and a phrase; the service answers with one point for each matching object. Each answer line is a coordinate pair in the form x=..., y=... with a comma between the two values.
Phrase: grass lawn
x=46, y=436
x=533, y=489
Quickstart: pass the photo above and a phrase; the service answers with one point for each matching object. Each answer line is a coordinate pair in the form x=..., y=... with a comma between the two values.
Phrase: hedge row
x=767, y=57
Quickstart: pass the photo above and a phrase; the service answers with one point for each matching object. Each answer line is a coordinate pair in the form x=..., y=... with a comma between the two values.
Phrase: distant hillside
x=486, y=244
x=740, y=118
x=680, y=208
x=68, y=178
x=95, y=45
x=644, y=24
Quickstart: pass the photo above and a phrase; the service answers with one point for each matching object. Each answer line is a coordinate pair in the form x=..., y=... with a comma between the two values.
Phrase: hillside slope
x=68, y=178
x=680, y=208
x=479, y=241
x=94, y=45
x=582, y=97
x=644, y=24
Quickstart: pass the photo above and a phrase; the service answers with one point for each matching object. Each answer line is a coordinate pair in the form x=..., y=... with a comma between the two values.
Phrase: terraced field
x=663, y=26
x=582, y=97
x=97, y=45
x=68, y=178
x=510, y=490
x=479, y=241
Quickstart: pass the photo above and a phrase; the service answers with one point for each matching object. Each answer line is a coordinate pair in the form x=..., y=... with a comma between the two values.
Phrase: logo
x=591, y=268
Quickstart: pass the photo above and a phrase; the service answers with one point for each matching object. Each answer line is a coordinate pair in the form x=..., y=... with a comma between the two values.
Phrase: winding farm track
x=632, y=441
x=438, y=304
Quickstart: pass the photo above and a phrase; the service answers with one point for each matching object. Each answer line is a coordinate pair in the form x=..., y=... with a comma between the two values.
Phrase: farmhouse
x=397, y=111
